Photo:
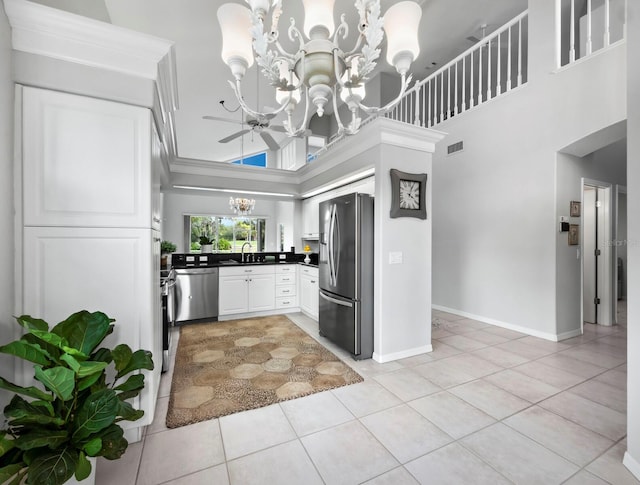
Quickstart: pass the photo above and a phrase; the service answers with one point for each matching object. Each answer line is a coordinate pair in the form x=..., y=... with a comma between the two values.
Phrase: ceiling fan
x=258, y=125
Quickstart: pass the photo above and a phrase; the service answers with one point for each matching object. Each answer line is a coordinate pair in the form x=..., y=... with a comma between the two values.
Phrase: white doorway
x=620, y=256
x=597, y=254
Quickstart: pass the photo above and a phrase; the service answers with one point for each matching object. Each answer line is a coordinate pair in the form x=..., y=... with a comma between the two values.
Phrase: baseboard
x=632, y=464
x=509, y=326
x=266, y=313
x=570, y=334
x=384, y=358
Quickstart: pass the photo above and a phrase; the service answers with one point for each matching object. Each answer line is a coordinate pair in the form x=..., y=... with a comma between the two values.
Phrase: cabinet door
x=262, y=293
x=233, y=295
x=109, y=270
x=156, y=169
x=86, y=161
x=309, y=295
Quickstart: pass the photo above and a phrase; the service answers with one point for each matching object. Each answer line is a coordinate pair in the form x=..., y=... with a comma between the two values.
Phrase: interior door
x=590, y=292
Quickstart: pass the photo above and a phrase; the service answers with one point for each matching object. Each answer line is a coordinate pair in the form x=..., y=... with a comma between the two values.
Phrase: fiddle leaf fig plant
x=74, y=412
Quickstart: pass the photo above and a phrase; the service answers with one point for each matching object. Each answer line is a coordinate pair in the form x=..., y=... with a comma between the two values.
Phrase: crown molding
x=52, y=33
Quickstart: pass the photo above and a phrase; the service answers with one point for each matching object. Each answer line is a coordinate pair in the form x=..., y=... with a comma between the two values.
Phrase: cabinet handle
x=286, y=302
x=156, y=219
x=157, y=239
x=285, y=291
x=285, y=279
x=248, y=271
x=313, y=281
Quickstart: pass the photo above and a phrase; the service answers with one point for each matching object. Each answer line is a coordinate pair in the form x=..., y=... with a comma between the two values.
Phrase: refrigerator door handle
x=330, y=249
x=336, y=301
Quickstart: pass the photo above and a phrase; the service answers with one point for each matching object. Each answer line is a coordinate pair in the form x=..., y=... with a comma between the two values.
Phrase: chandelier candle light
x=241, y=206
x=319, y=69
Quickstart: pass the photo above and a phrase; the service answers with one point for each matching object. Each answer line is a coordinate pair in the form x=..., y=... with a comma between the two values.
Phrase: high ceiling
x=203, y=77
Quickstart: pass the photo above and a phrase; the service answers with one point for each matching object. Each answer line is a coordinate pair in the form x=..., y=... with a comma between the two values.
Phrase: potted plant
x=206, y=244
x=166, y=248
x=47, y=438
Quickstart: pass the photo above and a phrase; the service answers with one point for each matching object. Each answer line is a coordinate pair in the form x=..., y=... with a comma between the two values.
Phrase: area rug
x=225, y=367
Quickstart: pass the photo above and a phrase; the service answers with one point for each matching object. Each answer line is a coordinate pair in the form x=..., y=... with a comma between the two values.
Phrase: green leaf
x=141, y=359
x=27, y=391
x=78, y=355
x=102, y=355
x=83, y=470
x=5, y=445
x=53, y=467
x=89, y=368
x=53, y=351
x=98, y=411
x=41, y=437
x=30, y=323
x=73, y=364
x=50, y=338
x=121, y=356
x=83, y=330
x=113, y=442
x=93, y=447
x=60, y=380
x=88, y=381
x=6, y=472
x=128, y=413
x=27, y=351
x=131, y=387
x=21, y=412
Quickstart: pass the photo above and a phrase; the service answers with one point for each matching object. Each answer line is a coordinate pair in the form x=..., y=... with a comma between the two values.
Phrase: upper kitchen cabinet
x=88, y=162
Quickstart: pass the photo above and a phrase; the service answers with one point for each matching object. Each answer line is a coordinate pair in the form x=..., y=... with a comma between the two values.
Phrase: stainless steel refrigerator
x=346, y=273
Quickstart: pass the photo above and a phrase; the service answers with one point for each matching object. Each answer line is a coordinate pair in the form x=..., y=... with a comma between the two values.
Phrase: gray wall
x=632, y=459
x=6, y=199
x=494, y=204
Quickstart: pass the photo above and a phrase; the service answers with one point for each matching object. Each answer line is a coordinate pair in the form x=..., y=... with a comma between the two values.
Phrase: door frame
x=619, y=189
x=607, y=292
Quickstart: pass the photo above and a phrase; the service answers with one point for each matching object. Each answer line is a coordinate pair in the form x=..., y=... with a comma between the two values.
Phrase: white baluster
x=489, y=71
x=416, y=120
x=509, y=61
x=448, y=112
x=441, y=97
x=572, y=33
x=499, y=69
x=425, y=115
x=589, y=44
x=455, y=87
x=429, y=96
x=519, y=52
x=471, y=84
x=479, y=76
x=607, y=22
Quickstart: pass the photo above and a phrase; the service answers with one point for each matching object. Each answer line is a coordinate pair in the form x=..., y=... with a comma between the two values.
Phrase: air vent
x=456, y=147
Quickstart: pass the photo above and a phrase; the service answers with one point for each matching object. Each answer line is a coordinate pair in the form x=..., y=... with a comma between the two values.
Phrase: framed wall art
x=408, y=194
x=574, y=208
x=574, y=234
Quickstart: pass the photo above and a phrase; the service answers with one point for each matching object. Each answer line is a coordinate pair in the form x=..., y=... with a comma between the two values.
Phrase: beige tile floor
x=487, y=406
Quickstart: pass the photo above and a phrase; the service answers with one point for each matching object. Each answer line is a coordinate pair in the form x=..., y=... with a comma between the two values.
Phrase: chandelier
x=241, y=206
x=320, y=70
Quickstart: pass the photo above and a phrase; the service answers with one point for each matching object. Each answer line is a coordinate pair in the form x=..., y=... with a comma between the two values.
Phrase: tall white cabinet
x=90, y=198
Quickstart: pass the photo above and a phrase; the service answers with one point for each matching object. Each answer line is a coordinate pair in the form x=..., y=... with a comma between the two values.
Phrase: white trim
x=569, y=334
x=383, y=358
x=265, y=313
x=498, y=323
x=632, y=464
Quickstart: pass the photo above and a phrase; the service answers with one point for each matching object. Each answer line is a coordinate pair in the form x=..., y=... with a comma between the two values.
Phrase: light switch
x=395, y=258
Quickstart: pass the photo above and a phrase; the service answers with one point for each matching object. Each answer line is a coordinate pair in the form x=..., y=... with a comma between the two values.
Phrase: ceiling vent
x=456, y=147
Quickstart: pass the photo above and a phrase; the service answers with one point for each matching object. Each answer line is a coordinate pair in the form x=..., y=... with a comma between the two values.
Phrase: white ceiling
x=202, y=76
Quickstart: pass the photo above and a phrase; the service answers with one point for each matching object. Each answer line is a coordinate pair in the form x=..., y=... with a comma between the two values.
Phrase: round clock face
x=409, y=194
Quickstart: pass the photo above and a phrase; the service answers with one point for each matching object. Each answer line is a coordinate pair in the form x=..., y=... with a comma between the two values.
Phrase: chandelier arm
x=289, y=124
x=356, y=48
x=256, y=114
x=371, y=110
x=342, y=27
x=336, y=113
x=283, y=53
x=295, y=33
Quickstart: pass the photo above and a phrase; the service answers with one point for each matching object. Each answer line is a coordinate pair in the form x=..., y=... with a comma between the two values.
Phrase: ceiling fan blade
x=234, y=136
x=217, y=118
x=268, y=139
x=473, y=38
x=278, y=128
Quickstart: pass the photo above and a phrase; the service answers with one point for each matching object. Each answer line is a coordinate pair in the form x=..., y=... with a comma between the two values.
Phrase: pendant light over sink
x=320, y=70
x=241, y=206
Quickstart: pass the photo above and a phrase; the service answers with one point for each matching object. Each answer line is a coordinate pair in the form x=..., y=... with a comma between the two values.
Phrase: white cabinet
x=246, y=289
x=310, y=216
x=88, y=162
x=286, y=286
x=90, y=182
x=309, y=291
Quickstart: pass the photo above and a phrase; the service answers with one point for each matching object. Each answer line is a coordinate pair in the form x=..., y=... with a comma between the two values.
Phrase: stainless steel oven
x=167, y=283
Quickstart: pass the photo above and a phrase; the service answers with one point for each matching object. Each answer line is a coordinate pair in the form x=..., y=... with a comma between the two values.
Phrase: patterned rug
x=225, y=367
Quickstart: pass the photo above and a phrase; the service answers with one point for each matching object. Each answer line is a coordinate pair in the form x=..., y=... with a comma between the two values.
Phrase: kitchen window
x=227, y=234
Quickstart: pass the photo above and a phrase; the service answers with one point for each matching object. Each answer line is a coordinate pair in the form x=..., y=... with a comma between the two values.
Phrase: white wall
x=176, y=205
x=494, y=203
x=7, y=323
x=632, y=458
x=605, y=165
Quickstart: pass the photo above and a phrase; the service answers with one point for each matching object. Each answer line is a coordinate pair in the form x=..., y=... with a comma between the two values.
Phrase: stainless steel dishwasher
x=196, y=294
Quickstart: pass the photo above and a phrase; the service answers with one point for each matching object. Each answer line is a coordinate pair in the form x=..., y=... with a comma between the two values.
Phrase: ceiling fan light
x=318, y=18
x=401, y=27
x=259, y=7
x=237, y=49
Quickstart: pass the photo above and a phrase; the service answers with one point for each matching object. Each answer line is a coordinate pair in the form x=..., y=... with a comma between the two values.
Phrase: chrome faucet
x=242, y=251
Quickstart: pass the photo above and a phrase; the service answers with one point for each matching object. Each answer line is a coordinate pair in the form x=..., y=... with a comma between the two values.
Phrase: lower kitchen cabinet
x=246, y=289
x=309, y=291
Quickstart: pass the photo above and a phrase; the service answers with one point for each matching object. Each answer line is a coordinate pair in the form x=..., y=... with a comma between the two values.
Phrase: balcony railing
x=495, y=65
x=587, y=26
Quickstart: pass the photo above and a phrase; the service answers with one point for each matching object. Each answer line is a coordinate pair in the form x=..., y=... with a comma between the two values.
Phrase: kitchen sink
x=230, y=261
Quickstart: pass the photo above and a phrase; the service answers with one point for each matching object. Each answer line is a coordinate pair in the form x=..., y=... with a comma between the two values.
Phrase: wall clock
x=408, y=194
